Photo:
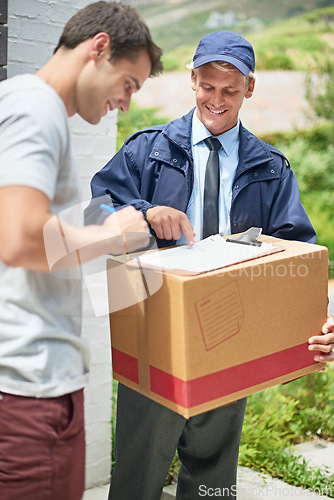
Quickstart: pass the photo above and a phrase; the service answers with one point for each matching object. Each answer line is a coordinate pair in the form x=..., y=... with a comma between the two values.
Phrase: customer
x=161, y=171
x=104, y=55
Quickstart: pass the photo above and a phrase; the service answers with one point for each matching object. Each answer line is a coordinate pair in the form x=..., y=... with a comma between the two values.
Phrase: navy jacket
x=155, y=167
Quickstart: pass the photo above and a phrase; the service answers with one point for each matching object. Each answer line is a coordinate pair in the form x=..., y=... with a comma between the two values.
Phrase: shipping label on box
x=193, y=343
x=220, y=315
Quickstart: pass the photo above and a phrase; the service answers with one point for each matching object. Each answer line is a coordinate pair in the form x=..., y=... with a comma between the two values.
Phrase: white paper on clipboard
x=206, y=255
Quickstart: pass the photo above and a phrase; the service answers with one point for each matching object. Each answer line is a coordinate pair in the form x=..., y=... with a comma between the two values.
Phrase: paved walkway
x=252, y=486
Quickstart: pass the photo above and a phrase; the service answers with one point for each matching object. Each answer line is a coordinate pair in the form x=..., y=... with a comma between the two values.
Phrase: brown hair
x=128, y=33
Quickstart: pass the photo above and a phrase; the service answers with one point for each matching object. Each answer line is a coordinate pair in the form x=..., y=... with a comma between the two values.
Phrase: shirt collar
x=228, y=139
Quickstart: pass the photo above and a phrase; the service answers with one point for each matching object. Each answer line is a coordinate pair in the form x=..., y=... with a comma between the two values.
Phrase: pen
x=107, y=207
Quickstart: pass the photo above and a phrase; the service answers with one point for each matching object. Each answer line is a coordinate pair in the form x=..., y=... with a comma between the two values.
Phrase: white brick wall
x=34, y=28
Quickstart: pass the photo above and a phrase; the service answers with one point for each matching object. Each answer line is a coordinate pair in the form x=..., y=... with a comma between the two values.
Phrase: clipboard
x=210, y=254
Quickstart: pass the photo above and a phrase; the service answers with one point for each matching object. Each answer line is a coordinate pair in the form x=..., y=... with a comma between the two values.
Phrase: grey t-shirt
x=41, y=352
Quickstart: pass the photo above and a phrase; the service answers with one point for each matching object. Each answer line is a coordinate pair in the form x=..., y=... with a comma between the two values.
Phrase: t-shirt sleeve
x=33, y=141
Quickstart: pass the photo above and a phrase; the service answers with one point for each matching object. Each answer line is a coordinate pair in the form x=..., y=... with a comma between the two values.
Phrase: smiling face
x=104, y=85
x=219, y=96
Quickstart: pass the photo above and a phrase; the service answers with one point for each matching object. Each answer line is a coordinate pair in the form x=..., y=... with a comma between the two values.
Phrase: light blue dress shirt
x=228, y=162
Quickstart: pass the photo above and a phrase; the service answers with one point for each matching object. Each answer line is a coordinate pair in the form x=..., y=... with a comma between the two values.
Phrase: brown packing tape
x=142, y=336
x=127, y=286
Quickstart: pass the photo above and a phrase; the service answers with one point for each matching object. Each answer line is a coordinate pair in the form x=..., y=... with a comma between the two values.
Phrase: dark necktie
x=211, y=189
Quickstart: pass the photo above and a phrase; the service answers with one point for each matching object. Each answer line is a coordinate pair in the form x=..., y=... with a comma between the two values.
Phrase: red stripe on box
x=125, y=365
x=234, y=379
x=216, y=385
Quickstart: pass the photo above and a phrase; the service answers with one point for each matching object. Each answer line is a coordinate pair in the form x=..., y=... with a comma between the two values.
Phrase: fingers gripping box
x=194, y=343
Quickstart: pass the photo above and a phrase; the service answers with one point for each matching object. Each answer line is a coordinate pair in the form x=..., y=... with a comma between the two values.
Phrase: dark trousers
x=42, y=447
x=147, y=435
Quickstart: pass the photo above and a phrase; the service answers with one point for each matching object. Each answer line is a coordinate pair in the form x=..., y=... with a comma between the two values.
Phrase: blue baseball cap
x=225, y=46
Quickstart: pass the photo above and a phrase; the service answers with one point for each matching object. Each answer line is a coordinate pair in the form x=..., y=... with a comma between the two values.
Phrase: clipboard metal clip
x=249, y=237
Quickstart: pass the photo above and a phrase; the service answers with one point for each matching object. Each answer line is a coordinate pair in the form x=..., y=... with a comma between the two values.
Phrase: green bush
x=313, y=168
x=170, y=63
x=315, y=409
x=136, y=119
x=178, y=58
x=307, y=42
x=282, y=416
x=271, y=60
x=319, y=137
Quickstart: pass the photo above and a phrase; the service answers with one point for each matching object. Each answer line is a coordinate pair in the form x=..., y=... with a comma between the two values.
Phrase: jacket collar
x=252, y=151
x=179, y=131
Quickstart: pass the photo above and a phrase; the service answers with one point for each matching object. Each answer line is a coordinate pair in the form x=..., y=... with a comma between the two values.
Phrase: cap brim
x=200, y=61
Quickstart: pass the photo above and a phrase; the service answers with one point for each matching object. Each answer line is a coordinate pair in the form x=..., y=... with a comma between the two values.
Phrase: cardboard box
x=199, y=342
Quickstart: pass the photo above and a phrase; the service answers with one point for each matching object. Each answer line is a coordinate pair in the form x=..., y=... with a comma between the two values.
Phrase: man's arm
x=169, y=223
x=28, y=229
x=288, y=218
x=23, y=213
x=120, y=181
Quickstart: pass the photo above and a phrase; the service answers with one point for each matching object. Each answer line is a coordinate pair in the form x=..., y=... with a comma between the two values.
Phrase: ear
x=250, y=90
x=193, y=81
x=100, y=45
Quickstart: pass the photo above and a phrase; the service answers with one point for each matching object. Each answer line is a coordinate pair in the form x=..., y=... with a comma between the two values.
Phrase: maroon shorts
x=42, y=447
